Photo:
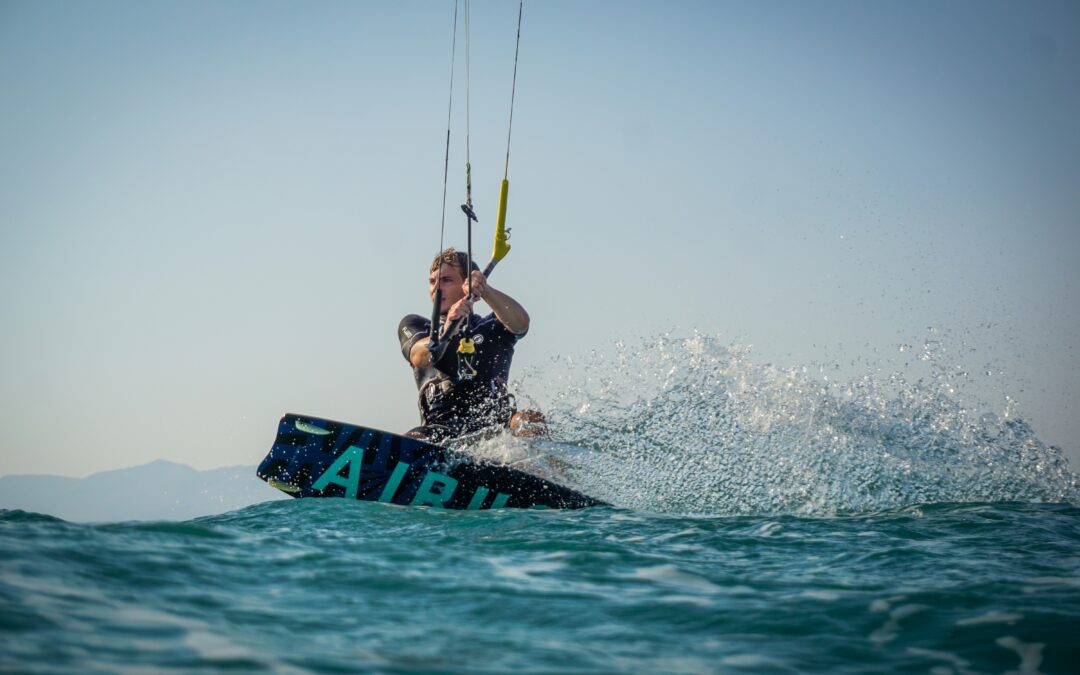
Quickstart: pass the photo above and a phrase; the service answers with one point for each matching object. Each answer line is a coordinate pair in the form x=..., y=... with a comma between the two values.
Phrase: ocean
x=763, y=520
x=337, y=586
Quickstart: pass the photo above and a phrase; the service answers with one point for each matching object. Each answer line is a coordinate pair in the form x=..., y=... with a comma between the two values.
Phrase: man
x=463, y=392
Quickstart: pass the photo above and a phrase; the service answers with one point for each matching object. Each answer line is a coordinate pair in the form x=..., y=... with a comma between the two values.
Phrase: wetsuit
x=450, y=406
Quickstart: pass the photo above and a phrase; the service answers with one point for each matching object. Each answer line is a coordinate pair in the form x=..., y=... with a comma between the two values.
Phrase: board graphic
x=313, y=457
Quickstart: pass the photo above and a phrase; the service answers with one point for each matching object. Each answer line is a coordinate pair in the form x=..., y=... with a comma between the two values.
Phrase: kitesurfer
x=452, y=404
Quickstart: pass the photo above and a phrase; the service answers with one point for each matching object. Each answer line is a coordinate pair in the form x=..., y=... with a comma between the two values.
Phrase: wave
x=693, y=425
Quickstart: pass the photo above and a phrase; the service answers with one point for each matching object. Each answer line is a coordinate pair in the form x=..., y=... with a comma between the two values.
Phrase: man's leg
x=528, y=424
x=432, y=433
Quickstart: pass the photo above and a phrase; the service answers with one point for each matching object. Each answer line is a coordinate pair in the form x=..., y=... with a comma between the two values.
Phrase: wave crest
x=692, y=425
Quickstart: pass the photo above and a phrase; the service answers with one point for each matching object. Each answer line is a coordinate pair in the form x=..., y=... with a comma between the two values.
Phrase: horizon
x=133, y=466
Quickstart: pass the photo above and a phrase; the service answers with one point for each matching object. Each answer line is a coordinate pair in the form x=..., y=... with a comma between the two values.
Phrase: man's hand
x=460, y=309
x=479, y=285
x=420, y=355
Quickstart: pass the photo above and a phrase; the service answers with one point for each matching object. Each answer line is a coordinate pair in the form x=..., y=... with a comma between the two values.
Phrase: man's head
x=447, y=271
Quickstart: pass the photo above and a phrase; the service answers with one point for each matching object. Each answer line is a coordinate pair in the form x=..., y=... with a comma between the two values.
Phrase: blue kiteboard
x=314, y=457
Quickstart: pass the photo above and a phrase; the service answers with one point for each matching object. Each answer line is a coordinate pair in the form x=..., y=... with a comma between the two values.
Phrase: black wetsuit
x=450, y=406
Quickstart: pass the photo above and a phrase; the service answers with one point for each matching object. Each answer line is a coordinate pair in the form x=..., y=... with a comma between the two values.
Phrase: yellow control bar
x=501, y=247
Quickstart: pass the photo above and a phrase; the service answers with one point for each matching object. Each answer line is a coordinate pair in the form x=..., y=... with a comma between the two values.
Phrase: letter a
x=331, y=475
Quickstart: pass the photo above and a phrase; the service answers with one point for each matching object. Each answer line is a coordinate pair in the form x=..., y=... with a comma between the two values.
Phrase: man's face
x=449, y=278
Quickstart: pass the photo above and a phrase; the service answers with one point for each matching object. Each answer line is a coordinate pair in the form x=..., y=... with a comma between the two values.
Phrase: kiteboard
x=313, y=457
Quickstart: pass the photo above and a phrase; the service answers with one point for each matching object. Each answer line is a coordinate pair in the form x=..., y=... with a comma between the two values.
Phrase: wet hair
x=452, y=257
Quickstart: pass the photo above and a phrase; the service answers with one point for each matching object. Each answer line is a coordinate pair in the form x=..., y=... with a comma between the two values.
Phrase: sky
x=213, y=213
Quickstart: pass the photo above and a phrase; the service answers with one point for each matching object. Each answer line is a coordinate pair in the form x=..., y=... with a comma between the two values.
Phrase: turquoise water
x=765, y=519
x=336, y=586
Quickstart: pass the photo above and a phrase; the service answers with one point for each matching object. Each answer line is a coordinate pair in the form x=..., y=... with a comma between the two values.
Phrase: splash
x=693, y=425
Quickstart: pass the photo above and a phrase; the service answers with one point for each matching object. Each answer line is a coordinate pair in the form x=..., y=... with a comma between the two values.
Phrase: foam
x=695, y=426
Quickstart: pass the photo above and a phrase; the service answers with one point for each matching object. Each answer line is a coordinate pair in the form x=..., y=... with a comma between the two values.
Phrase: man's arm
x=507, y=310
x=419, y=354
x=413, y=334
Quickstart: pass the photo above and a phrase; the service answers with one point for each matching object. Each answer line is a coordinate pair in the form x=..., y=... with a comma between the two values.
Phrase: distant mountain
x=159, y=490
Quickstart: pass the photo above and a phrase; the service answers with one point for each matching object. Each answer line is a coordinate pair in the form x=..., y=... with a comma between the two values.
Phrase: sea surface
x=337, y=586
x=763, y=519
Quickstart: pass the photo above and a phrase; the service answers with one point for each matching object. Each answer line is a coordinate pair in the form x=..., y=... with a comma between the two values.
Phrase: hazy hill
x=159, y=490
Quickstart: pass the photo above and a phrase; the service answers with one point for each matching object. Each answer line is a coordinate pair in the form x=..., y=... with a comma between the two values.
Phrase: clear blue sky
x=212, y=213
